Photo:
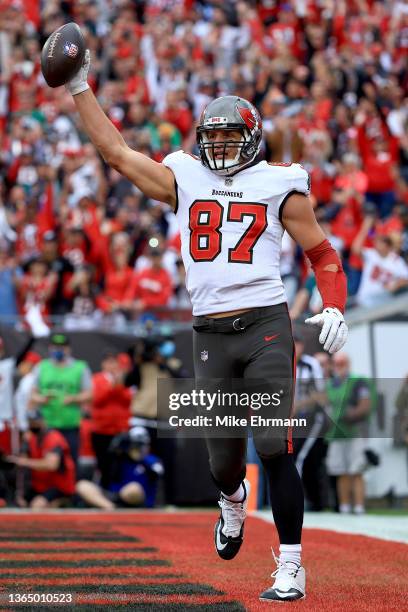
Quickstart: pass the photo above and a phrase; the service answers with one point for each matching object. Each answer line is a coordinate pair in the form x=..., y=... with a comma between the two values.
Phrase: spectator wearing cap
x=152, y=287
x=62, y=387
x=47, y=455
x=133, y=475
x=110, y=409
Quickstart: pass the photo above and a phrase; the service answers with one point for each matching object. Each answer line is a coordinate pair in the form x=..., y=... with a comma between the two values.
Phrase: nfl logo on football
x=70, y=49
x=204, y=355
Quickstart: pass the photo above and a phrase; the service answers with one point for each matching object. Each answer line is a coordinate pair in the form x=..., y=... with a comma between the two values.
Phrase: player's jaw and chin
x=223, y=148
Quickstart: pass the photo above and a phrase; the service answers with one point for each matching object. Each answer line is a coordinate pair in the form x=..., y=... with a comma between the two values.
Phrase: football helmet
x=229, y=113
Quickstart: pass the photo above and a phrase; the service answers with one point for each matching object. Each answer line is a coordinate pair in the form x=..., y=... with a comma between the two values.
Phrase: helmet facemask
x=214, y=153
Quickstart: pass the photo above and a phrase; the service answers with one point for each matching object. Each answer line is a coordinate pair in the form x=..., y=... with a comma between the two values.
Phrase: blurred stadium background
x=85, y=254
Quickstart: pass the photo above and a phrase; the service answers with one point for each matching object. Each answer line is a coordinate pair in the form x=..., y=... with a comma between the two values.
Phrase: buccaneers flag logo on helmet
x=248, y=115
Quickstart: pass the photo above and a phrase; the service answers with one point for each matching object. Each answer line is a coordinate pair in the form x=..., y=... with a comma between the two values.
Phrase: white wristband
x=74, y=91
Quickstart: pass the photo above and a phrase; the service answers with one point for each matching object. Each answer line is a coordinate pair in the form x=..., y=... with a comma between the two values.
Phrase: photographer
x=154, y=359
x=110, y=410
x=52, y=471
x=133, y=476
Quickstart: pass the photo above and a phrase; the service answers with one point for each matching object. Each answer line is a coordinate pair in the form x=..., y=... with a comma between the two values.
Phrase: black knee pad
x=268, y=447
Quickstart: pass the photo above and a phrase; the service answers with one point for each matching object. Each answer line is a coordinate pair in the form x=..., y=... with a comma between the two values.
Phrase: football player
x=232, y=210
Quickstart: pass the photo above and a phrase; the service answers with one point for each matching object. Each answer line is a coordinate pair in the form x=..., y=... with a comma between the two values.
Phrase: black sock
x=286, y=496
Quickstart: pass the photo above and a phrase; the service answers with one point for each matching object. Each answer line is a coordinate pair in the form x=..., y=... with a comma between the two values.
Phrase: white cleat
x=289, y=585
x=229, y=529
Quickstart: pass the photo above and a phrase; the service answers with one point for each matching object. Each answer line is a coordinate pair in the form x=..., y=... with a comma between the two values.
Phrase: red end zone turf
x=167, y=562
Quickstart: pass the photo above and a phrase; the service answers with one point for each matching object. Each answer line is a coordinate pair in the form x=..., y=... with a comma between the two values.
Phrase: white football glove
x=34, y=318
x=334, y=329
x=79, y=82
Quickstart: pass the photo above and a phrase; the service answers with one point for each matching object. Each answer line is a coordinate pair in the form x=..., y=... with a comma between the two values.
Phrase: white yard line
x=394, y=528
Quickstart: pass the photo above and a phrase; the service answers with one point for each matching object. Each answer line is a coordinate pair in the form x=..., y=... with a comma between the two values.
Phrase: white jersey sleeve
x=175, y=160
x=294, y=179
x=179, y=163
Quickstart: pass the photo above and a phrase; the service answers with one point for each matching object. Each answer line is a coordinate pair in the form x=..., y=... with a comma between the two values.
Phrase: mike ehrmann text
x=255, y=420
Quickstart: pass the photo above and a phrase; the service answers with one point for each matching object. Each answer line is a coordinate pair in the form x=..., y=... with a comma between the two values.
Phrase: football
x=62, y=54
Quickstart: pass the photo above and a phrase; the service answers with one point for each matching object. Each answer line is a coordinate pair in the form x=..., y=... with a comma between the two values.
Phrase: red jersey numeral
x=206, y=237
x=205, y=223
x=243, y=250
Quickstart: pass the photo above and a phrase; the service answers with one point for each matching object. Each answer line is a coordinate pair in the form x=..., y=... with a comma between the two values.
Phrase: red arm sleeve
x=332, y=285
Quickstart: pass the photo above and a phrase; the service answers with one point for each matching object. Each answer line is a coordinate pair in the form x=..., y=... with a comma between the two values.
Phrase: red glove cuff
x=332, y=285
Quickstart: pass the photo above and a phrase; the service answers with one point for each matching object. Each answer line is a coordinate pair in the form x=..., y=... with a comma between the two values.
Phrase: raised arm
x=154, y=179
x=358, y=243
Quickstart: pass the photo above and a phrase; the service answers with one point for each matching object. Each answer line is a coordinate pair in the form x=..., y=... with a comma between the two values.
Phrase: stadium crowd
x=78, y=240
x=329, y=77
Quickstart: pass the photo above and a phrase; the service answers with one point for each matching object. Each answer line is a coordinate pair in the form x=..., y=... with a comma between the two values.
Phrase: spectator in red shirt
x=351, y=178
x=345, y=210
x=151, y=287
x=178, y=112
x=382, y=174
x=285, y=30
x=110, y=410
x=118, y=278
x=51, y=466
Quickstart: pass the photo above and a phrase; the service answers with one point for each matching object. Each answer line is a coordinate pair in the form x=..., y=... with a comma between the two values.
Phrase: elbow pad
x=332, y=285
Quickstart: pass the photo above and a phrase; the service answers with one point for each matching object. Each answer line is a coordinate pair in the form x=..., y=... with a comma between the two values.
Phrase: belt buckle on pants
x=237, y=325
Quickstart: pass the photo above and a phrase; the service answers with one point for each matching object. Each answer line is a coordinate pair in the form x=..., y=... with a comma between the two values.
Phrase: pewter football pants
x=256, y=347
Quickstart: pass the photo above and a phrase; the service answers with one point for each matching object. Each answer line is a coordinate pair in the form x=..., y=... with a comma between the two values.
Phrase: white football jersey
x=231, y=232
x=378, y=271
